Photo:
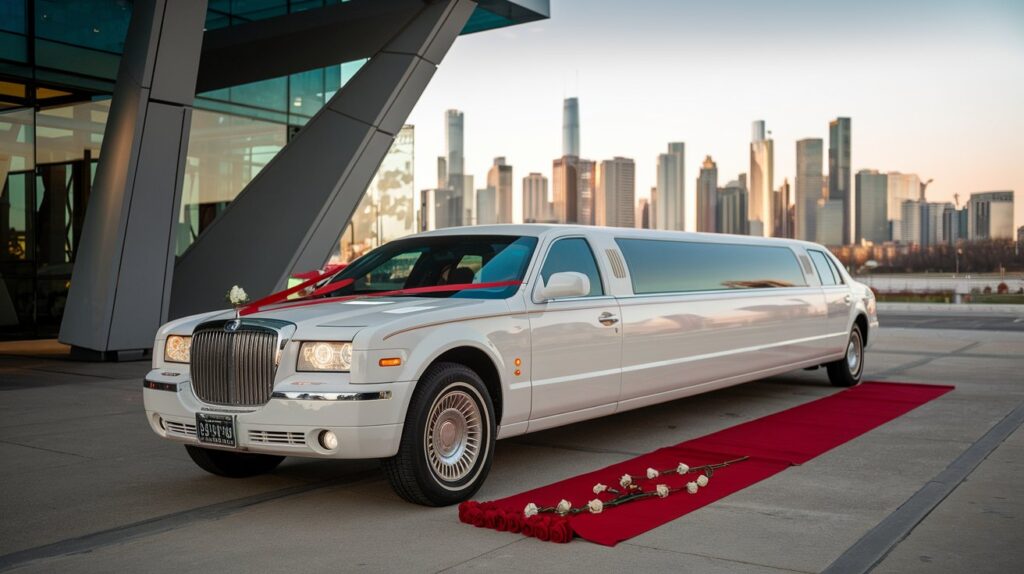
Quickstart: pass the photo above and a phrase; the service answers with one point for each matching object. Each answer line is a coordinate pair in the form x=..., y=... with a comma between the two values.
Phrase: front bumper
x=367, y=419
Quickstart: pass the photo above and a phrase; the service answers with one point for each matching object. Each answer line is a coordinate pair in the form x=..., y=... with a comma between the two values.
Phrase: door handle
x=846, y=298
x=607, y=319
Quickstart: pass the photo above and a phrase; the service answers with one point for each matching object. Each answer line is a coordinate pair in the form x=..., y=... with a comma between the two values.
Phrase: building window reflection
x=387, y=211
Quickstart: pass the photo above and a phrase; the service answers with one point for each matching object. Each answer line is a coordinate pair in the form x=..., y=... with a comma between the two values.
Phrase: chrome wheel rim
x=853, y=351
x=453, y=437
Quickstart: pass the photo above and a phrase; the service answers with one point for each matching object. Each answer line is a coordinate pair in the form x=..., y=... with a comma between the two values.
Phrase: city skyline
x=942, y=126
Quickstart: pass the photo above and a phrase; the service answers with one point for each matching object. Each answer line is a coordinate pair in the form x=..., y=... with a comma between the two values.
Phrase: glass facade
x=58, y=64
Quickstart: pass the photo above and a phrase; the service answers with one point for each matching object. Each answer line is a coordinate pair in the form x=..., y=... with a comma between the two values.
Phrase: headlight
x=177, y=349
x=325, y=356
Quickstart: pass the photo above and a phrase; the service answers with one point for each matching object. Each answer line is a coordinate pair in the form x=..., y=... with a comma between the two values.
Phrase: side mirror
x=563, y=285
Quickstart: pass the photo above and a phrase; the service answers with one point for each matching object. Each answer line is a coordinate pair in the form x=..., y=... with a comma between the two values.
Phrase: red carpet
x=774, y=442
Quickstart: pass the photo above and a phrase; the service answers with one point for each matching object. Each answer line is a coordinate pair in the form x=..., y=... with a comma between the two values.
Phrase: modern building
x=902, y=187
x=160, y=149
x=1020, y=238
x=934, y=232
x=565, y=188
x=586, y=191
x=499, y=178
x=732, y=208
x=487, y=206
x=762, y=182
x=571, y=127
x=454, y=136
x=872, y=213
x=990, y=215
x=643, y=213
x=839, y=173
x=829, y=222
x=707, y=196
x=809, y=184
x=386, y=211
x=954, y=224
x=671, y=207
x=536, y=207
x=614, y=202
x=782, y=208
x=912, y=222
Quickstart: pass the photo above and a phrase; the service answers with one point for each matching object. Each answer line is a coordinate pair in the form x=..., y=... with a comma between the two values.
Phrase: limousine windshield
x=440, y=261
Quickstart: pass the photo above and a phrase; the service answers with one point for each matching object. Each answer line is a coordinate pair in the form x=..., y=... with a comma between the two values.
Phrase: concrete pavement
x=88, y=488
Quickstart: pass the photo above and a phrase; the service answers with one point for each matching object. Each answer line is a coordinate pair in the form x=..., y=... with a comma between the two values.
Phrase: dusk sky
x=933, y=87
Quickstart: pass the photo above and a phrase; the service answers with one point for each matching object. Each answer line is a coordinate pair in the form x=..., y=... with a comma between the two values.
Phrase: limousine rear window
x=440, y=260
x=660, y=266
x=828, y=274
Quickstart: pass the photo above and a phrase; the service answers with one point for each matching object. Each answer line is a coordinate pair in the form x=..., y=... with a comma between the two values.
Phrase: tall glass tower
x=839, y=172
x=456, y=159
x=571, y=127
x=762, y=183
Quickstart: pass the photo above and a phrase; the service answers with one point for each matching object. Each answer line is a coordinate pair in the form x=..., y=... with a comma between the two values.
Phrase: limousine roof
x=539, y=229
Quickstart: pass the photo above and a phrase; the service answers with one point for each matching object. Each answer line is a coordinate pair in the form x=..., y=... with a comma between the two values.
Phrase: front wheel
x=232, y=464
x=448, y=438
x=846, y=372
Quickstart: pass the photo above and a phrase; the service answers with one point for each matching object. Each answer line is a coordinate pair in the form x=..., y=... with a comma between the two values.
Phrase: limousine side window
x=573, y=254
x=660, y=266
x=829, y=276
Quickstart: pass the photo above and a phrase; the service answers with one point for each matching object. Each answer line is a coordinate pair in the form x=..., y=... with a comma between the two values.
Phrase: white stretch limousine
x=426, y=350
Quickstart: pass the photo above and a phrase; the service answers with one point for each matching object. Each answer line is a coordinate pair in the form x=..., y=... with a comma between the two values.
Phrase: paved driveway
x=88, y=488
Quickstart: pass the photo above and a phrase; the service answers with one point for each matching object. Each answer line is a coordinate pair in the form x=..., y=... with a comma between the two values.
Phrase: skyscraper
x=707, y=196
x=762, y=184
x=643, y=213
x=829, y=222
x=839, y=172
x=499, y=178
x=872, y=206
x=809, y=183
x=954, y=224
x=732, y=208
x=487, y=206
x=901, y=187
x=456, y=159
x=586, y=191
x=536, y=207
x=442, y=171
x=571, y=127
x=565, y=182
x=670, y=207
x=781, y=211
x=615, y=205
x=990, y=215
x=912, y=224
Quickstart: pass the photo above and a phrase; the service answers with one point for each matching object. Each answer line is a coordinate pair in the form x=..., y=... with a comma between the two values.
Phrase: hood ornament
x=232, y=326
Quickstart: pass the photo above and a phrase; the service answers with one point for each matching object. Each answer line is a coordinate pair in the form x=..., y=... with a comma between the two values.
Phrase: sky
x=933, y=87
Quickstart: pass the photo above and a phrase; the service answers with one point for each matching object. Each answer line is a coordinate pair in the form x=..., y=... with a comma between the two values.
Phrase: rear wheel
x=448, y=438
x=846, y=372
x=232, y=464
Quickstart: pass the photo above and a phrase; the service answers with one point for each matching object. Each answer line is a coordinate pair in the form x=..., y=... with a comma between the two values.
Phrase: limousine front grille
x=234, y=367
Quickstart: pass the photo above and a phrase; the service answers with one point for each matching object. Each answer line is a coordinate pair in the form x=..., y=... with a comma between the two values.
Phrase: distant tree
x=987, y=290
x=1002, y=289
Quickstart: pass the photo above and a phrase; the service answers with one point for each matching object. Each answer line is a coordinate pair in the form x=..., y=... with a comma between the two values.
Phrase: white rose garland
x=631, y=490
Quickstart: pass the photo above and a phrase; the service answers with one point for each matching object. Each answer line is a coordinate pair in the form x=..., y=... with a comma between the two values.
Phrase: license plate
x=216, y=429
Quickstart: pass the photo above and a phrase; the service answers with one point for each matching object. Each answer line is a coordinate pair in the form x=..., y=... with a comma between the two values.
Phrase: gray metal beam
x=290, y=216
x=251, y=52
x=120, y=288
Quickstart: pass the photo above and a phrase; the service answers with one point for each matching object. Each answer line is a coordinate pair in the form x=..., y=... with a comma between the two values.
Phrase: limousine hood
x=364, y=312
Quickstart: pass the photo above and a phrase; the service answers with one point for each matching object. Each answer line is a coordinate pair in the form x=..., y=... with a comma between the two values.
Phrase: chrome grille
x=234, y=367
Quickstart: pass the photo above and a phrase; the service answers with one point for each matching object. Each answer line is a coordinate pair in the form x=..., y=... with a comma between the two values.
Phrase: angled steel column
x=120, y=287
x=289, y=217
